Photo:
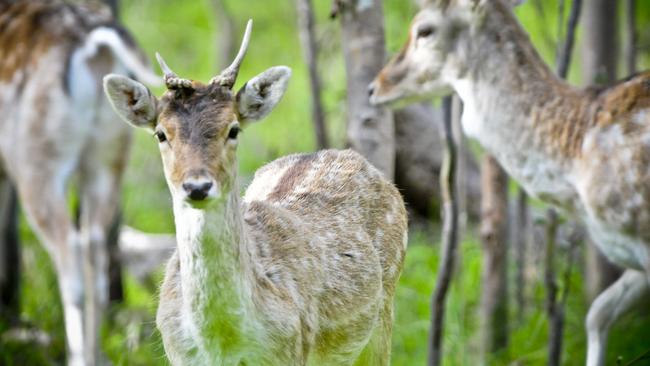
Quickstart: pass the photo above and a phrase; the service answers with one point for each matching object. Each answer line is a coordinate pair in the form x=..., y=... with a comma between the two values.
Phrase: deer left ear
x=257, y=98
x=131, y=100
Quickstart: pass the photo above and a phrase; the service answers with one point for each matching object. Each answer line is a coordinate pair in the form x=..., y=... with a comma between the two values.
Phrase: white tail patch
x=104, y=36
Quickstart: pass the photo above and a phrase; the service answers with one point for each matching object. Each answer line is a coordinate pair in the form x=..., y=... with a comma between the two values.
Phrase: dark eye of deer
x=426, y=31
x=160, y=136
x=232, y=134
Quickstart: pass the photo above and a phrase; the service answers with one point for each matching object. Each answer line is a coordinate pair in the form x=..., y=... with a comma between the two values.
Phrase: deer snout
x=371, y=89
x=198, y=188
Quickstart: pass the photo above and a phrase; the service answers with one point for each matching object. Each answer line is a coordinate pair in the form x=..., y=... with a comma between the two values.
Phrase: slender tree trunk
x=521, y=236
x=630, y=33
x=370, y=129
x=599, y=62
x=419, y=146
x=554, y=310
x=494, y=298
x=9, y=254
x=225, y=35
x=462, y=167
x=555, y=306
x=310, y=54
x=449, y=249
x=115, y=287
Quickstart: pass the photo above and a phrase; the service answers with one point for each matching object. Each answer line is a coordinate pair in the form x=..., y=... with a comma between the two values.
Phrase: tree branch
x=449, y=238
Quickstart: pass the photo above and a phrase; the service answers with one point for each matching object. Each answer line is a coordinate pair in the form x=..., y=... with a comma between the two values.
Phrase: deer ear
x=261, y=94
x=131, y=100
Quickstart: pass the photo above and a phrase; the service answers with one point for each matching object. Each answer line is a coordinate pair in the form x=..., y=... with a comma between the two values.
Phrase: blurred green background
x=185, y=33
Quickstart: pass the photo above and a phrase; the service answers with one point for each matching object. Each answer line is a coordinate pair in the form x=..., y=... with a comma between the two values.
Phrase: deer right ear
x=131, y=100
x=261, y=94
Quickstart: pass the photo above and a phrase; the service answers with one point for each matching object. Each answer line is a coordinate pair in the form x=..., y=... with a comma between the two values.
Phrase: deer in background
x=55, y=125
x=585, y=151
x=303, y=270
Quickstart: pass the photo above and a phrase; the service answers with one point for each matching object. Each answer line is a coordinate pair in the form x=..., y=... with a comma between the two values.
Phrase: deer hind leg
x=615, y=301
x=43, y=200
x=101, y=173
x=99, y=204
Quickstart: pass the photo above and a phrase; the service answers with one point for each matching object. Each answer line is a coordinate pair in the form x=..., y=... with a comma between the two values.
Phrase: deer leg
x=631, y=287
x=99, y=205
x=45, y=206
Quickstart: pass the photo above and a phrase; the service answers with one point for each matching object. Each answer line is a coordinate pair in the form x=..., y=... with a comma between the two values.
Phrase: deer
x=300, y=271
x=56, y=126
x=586, y=151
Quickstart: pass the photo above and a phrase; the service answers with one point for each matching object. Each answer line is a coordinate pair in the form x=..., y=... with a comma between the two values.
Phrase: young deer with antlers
x=586, y=151
x=303, y=270
x=55, y=124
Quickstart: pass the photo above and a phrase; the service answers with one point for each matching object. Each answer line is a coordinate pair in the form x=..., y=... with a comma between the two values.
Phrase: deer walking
x=303, y=270
x=55, y=125
x=585, y=151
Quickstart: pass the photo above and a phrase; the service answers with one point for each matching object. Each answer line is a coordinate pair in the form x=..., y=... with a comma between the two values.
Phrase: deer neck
x=517, y=108
x=214, y=270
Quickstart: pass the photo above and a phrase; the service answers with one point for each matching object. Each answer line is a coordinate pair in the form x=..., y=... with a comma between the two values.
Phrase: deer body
x=55, y=125
x=586, y=151
x=282, y=277
x=303, y=270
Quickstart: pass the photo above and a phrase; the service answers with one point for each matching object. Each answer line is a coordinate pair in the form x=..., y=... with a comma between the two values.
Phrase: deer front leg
x=631, y=287
x=45, y=206
x=99, y=203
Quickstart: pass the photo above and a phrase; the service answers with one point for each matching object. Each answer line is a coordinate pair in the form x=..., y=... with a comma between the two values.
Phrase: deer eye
x=426, y=31
x=234, y=131
x=160, y=136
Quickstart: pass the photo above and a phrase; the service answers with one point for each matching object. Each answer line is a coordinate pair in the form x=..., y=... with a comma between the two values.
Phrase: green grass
x=130, y=337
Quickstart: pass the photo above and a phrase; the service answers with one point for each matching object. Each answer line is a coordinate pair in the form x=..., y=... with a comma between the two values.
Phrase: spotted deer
x=302, y=270
x=585, y=151
x=56, y=125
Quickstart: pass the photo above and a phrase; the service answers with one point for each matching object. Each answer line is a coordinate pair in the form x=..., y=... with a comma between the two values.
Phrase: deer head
x=197, y=125
x=435, y=52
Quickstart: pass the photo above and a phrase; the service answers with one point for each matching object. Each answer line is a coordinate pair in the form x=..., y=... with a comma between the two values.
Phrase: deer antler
x=228, y=76
x=172, y=81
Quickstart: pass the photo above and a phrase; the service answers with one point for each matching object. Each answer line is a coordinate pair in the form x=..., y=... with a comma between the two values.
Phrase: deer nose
x=197, y=191
x=371, y=89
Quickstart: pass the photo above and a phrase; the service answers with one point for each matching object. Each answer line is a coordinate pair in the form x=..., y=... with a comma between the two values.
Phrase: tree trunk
x=553, y=307
x=225, y=35
x=419, y=146
x=599, y=51
x=310, y=54
x=449, y=248
x=9, y=254
x=599, y=56
x=521, y=237
x=554, y=303
x=630, y=34
x=370, y=129
x=115, y=287
x=494, y=298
